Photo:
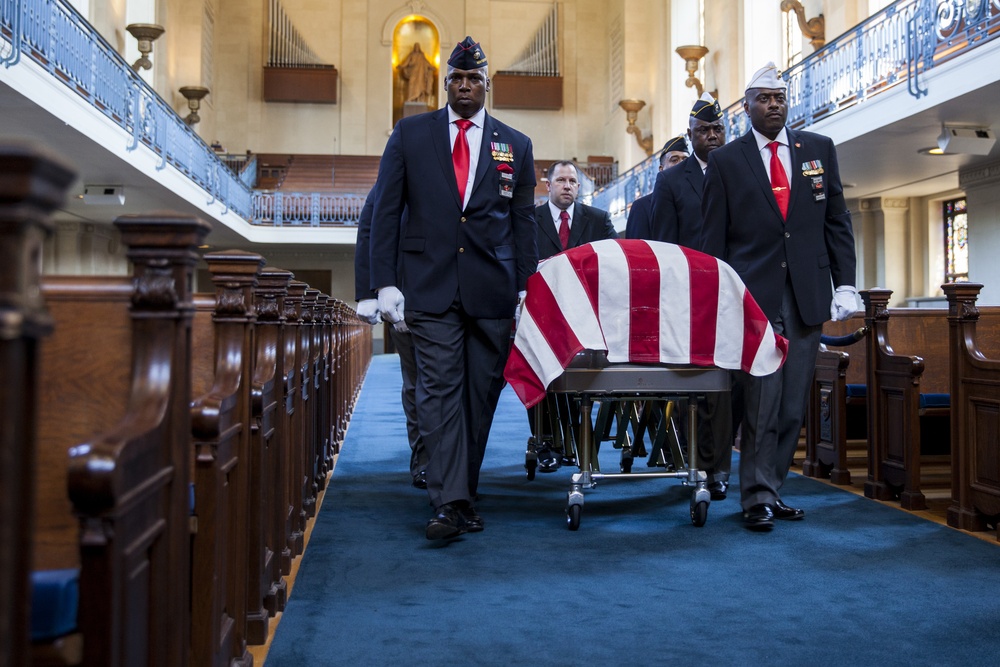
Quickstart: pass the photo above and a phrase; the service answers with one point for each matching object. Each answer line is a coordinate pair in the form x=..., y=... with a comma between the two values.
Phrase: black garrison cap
x=467, y=54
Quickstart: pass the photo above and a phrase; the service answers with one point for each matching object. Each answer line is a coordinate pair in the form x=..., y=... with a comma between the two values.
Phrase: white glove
x=517, y=308
x=368, y=311
x=401, y=327
x=390, y=304
x=844, y=304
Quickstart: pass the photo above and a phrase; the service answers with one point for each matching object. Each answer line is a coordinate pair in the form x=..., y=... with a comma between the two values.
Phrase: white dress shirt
x=784, y=153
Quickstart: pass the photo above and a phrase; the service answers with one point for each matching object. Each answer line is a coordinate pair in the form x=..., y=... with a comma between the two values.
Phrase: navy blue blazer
x=482, y=254
x=676, y=203
x=639, y=224
x=589, y=224
x=743, y=226
x=362, y=266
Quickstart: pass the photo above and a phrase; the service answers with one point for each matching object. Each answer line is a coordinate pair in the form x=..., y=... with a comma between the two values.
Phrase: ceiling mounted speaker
x=971, y=140
x=104, y=195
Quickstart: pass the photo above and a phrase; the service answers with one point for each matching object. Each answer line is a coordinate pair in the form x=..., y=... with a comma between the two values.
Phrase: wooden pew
x=909, y=437
x=297, y=356
x=114, y=401
x=836, y=416
x=271, y=427
x=975, y=423
x=312, y=376
x=225, y=480
x=902, y=447
x=32, y=185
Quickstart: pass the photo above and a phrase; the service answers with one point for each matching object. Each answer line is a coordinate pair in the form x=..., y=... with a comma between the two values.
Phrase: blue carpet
x=855, y=583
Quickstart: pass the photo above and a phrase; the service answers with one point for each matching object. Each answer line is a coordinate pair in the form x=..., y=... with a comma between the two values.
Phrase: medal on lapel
x=501, y=152
x=812, y=168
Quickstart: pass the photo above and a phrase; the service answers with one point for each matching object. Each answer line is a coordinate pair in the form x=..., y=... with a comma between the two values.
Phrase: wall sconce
x=632, y=108
x=194, y=96
x=692, y=55
x=145, y=34
x=814, y=28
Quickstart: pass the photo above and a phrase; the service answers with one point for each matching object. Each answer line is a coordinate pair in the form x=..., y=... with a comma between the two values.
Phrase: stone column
x=886, y=241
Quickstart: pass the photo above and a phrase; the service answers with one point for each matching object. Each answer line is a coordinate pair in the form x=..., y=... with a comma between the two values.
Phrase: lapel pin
x=798, y=145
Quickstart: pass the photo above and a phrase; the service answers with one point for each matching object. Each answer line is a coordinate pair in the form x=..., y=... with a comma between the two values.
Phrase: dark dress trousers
x=401, y=340
x=459, y=271
x=790, y=267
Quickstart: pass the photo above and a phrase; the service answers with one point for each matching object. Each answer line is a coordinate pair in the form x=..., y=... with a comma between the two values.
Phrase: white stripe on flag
x=675, y=304
x=613, y=304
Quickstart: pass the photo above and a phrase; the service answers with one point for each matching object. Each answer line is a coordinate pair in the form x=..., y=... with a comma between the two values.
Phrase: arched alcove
x=416, y=66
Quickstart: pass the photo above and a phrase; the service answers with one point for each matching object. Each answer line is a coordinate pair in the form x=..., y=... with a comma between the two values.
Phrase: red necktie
x=460, y=156
x=779, y=180
x=564, y=229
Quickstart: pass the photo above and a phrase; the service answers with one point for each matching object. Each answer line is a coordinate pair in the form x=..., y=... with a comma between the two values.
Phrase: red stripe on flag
x=703, y=273
x=522, y=379
x=644, y=303
x=551, y=322
x=584, y=262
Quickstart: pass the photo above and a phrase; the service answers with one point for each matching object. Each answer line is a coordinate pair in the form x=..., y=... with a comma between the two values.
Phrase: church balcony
x=882, y=91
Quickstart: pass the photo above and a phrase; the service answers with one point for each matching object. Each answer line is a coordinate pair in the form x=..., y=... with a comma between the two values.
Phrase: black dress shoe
x=473, y=522
x=548, y=460
x=759, y=517
x=718, y=490
x=786, y=513
x=420, y=480
x=447, y=523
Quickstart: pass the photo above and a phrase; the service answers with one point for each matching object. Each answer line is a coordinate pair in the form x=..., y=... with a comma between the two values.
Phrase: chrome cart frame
x=590, y=376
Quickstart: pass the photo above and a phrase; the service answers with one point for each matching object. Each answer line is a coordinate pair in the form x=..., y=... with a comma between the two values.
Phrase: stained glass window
x=956, y=241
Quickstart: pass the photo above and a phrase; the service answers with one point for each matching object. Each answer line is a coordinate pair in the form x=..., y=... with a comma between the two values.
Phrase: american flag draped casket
x=641, y=302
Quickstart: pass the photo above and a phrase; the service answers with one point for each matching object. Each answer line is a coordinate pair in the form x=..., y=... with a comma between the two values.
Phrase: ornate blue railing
x=54, y=35
x=316, y=209
x=895, y=46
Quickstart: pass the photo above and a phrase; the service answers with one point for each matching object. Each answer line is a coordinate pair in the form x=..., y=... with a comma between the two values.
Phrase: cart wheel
x=626, y=465
x=530, y=466
x=699, y=513
x=573, y=516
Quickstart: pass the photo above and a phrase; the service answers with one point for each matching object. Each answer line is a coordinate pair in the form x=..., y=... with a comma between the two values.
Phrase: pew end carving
x=975, y=425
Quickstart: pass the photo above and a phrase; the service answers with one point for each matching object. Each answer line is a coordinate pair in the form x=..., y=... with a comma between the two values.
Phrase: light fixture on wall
x=814, y=28
x=194, y=95
x=632, y=108
x=145, y=34
x=971, y=139
x=692, y=55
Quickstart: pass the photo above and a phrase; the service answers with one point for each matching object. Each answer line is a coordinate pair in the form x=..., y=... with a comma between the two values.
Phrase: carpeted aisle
x=854, y=583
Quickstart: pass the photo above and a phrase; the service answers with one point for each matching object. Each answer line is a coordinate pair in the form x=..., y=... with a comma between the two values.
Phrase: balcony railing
x=315, y=209
x=896, y=46
x=54, y=35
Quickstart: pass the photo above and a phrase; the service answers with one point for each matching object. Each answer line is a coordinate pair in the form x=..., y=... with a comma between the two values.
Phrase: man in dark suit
x=640, y=215
x=467, y=184
x=773, y=208
x=368, y=311
x=564, y=223
x=676, y=218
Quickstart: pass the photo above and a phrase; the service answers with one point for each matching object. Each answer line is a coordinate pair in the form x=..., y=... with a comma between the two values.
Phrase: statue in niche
x=420, y=76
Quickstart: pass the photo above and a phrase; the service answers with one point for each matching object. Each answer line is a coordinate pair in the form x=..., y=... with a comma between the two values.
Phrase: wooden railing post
x=32, y=185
